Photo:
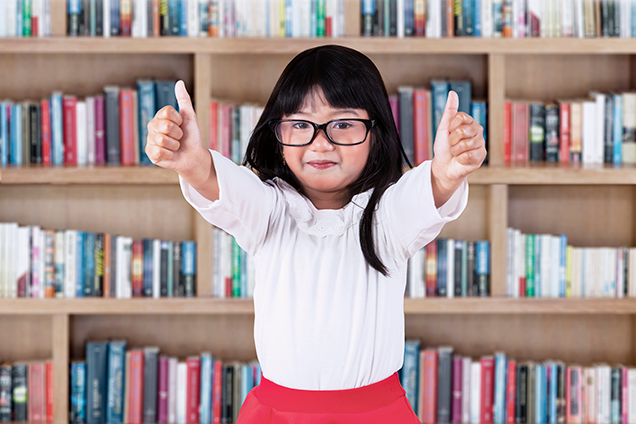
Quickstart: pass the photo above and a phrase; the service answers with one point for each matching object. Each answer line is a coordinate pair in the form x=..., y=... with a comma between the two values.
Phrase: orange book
x=576, y=125
x=431, y=269
x=420, y=130
x=214, y=125
x=50, y=398
x=136, y=394
x=564, y=132
x=107, y=270
x=125, y=13
x=49, y=263
x=511, y=392
x=520, y=127
x=213, y=24
x=156, y=27
x=36, y=389
x=137, y=278
x=126, y=127
x=450, y=19
x=429, y=412
x=419, y=8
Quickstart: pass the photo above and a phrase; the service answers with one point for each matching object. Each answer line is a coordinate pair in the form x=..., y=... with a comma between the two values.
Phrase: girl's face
x=325, y=169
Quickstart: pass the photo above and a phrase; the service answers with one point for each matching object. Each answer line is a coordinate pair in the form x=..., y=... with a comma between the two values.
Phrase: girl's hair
x=348, y=79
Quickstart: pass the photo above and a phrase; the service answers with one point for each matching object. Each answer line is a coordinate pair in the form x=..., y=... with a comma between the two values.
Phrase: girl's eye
x=301, y=126
x=341, y=125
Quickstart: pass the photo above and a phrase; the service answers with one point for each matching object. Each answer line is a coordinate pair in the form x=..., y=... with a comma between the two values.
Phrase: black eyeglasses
x=343, y=132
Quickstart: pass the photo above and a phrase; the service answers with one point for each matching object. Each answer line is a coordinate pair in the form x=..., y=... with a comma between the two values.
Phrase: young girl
x=330, y=221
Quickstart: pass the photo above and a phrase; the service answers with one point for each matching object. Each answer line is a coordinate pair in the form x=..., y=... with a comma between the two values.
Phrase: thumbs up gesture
x=459, y=150
x=174, y=138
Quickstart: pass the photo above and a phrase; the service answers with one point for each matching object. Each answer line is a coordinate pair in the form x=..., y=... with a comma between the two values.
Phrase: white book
x=576, y=271
x=475, y=394
x=400, y=18
x=3, y=261
x=119, y=267
x=216, y=263
x=59, y=263
x=23, y=271
x=296, y=19
x=172, y=390
x=535, y=14
x=106, y=18
x=604, y=394
x=221, y=17
x=631, y=395
x=36, y=260
x=46, y=14
x=611, y=262
x=487, y=27
x=90, y=130
x=588, y=133
x=599, y=144
x=450, y=268
x=631, y=272
x=567, y=18
x=156, y=268
x=243, y=21
x=70, y=261
x=545, y=266
x=42, y=243
x=579, y=22
x=510, y=262
x=557, y=19
x=555, y=266
x=3, y=31
x=182, y=371
x=13, y=260
x=466, y=388
x=626, y=18
x=82, y=139
x=305, y=15
x=417, y=283
x=193, y=19
x=11, y=18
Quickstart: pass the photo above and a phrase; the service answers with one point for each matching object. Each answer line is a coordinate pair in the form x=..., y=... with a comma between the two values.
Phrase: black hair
x=348, y=79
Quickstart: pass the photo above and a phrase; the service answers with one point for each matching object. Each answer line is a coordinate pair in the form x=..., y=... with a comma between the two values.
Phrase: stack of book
x=26, y=391
x=25, y=18
x=234, y=274
x=231, y=127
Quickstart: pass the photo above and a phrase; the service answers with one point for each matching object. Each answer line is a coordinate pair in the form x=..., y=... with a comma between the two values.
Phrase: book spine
x=96, y=382
x=147, y=110
x=162, y=402
x=137, y=268
x=487, y=389
x=45, y=128
x=126, y=127
x=456, y=415
x=444, y=385
x=189, y=267
x=111, y=98
x=115, y=401
x=100, y=131
x=136, y=400
x=511, y=393
x=151, y=368
x=78, y=393
x=193, y=365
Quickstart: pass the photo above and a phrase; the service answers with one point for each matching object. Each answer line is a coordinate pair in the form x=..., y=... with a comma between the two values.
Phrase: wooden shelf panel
x=88, y=175
x=211, y=306
x=554, y=174
x=379, y=45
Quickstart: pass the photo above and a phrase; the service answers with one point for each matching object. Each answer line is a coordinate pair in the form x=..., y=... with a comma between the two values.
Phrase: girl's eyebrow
x=335, y=112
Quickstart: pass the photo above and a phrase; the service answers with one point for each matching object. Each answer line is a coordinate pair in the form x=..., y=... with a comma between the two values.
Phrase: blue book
x=313, y=20
x=477, y=18
x=243, y=274
x=115, y=375
x=617, y=133
x=410, y=371
x=164, y=94
x=540, y=394
x=409, y=18
x=96, y=381
x=19, y=23
x=439, y=94
x=633, y=19
x=89, y=263
x=563, y=247
x=174, y=20
x=482, y=267
x=4, y=134
x=552, y=392
x=288, y=18
x=468, y=13
x=205, y=404
x=183, y=16
x=246, y=381
x=79, y=265
x=501, y=369
x=16, y=134
x=464, y=92
x=148, y=252
x=57, y=131
x=78, y=393
x=189, y=266
x=479, y=112
x=147, y=110
x=442, y=256
x=115, y=19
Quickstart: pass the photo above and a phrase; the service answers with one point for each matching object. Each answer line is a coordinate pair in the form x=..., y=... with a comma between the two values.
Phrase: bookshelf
x=594, y=206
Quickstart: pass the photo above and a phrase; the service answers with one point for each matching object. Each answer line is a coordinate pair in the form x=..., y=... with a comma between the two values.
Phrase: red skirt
x=379, y=403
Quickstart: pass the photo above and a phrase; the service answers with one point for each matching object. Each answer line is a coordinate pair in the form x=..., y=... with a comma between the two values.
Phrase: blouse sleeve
x=244, y=206
x=409, y=219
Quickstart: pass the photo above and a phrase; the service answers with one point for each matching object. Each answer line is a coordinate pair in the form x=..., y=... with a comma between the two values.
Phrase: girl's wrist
x=443, y=187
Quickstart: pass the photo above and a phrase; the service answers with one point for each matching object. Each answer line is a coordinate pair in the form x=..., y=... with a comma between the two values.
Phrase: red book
x=193, y=379
x=136, y=395
x=69, y=106
x=45, y=125
x=137, y=278
x=126, y=127
x=156, y=27
x=420, y=127
x=214, y=125
x=624, y=395
x=328, y=26
x=217, y=392
x=520, y=132
x=511, y=394
x=564, y=132
x=456, y=401
x=34, y=25
x=100, y=140
x=162, y=399
x=430, y=387
x=36, y=388
x=50, y=398
x=507, y=136
x=487, y=389
x=450, y=17
x=431, y=269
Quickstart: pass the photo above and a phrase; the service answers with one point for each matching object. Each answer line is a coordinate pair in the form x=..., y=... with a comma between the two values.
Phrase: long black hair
x=348, y=79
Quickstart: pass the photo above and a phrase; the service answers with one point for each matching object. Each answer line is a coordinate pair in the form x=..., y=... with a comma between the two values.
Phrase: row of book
x=417, y=112
x=450, y=268
x=597, y=129
x=206, y=18
x=42, y=263
x=231, y=126
x=25, y=18
x=446, y=387
x=107, y=128
x=544, y=265
x=26, y=391
x=116, y=384
x=234, y=274
x=499, y=18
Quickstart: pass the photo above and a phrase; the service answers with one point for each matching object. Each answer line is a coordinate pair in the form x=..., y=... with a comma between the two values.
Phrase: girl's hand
x=174, y=139
x=459, y=149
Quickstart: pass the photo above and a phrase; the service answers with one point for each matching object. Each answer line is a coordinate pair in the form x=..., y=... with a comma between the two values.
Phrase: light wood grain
x=61, y=367
x=498, y=224
x=496, y=96
x=25, y=337
x=87, y=175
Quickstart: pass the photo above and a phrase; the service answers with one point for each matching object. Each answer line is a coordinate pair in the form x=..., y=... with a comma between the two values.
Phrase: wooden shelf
x=554, y=174
x=376, y=45
x=88, y=175
x=212, y=306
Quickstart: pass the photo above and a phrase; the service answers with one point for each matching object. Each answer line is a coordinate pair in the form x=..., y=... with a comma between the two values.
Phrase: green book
x=530, y=265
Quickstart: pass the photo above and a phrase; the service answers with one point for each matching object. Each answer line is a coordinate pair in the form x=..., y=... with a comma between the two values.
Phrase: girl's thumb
x=185, y=103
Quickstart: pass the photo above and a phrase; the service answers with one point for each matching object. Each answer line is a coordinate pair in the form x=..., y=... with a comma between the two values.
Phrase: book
x=78, y=392
x=444, y=384
x=150, y=386
x=115, y=376
x=96, y=381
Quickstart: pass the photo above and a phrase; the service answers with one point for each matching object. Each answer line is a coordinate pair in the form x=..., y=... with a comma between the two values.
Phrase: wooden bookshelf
x=594, y=206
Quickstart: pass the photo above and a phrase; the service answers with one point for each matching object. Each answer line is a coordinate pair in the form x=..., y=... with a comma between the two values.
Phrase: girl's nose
x=321, y=142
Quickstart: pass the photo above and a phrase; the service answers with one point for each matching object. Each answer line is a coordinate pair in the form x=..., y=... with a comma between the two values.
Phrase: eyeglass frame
x=368, y=123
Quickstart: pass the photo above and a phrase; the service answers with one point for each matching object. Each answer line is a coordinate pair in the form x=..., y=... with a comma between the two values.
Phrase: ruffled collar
x=322, y=222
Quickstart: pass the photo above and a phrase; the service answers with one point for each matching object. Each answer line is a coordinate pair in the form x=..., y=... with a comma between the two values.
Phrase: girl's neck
x=327, y=200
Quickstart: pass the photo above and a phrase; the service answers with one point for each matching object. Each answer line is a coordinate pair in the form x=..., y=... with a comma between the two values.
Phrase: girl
x=330, y=222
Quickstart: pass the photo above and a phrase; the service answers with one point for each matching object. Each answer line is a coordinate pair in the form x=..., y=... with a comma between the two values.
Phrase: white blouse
x=324, y=319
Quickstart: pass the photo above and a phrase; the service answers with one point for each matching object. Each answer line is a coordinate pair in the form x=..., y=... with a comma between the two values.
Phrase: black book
x=164, y=94
x=151, y=372
x=164, y=17
x=19, y=377
x=561, y=400
x=442, y=259
x=35, y=136
x=177, y=280
x=163, y=269
x=521, y=409
x=575, y=402
x=472, y=282
x=444, y=384
x=227, y=410
x=99, y=18
x=405, y=96
x=148, y=250
x=111, y=98
x=98, y=280
x=608, y=136
x=113, y=266
x=615, y=389
x=5, y=393
x=96, y=381
x=392, y=18
x=85, y=23
x=73, y=19
x=552, y=132
x=89, y=264
x=378, y=19
x=537, y=131
x=457, y=270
